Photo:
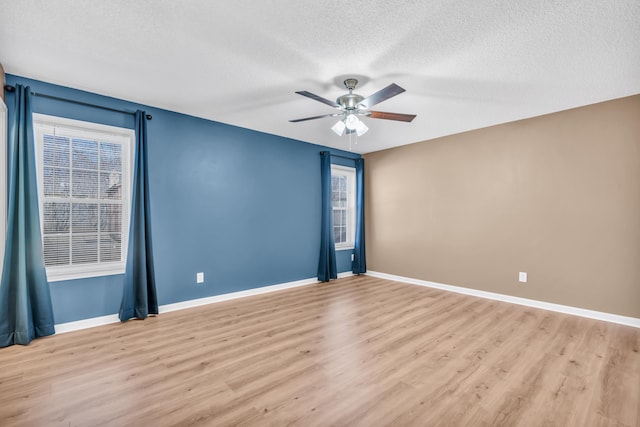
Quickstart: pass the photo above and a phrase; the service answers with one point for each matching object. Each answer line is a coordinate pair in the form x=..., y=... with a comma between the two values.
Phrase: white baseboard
x=113, y=318
x=234, y=295
x=61, y=328
x=345, y=274
x=591, y=314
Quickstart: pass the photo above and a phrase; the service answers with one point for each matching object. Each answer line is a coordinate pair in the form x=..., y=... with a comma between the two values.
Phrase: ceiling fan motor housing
x=350, y=101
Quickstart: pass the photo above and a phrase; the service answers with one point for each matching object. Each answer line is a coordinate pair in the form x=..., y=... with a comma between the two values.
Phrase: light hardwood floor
x=358, y=351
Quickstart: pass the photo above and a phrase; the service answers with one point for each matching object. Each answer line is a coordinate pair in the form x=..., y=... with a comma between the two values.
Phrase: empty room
x=362, y=213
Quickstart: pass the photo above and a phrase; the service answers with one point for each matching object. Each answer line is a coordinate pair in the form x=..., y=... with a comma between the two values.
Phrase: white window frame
x=4, y=133
x=350, y=173
x=75, y=128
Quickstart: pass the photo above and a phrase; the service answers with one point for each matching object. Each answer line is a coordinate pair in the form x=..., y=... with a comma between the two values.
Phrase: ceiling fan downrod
x=350, y=84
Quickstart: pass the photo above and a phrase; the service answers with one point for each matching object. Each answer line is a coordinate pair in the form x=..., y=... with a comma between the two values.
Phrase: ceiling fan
x=352, y=105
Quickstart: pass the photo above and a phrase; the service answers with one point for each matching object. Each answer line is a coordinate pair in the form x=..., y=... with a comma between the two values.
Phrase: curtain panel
x=359, y=265
x=327, y=267
x=25, y=301
x=139, y=298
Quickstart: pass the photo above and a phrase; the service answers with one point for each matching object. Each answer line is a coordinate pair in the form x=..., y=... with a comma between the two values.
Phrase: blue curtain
x=139, y=298
x=25, y=302
x=359, y=264
x=327, y=268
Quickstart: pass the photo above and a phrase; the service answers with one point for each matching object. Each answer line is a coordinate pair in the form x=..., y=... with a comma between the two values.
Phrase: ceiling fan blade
x=318, y=98
x=313, y=118
x=381, y=95
x=391, y=116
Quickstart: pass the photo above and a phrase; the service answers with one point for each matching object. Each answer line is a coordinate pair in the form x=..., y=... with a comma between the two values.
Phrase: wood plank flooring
x=359, y=351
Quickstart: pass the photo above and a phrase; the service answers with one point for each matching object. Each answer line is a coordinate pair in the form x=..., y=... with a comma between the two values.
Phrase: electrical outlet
x=353, y=256
x=522, y=277
x=199, y=277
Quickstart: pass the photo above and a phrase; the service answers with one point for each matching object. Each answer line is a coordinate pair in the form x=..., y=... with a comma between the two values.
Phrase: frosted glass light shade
x=338, y=128
x=361, y=128
x=351, y=122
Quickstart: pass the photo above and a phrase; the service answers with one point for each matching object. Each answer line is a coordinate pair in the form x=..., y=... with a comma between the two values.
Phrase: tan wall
x=556, y=196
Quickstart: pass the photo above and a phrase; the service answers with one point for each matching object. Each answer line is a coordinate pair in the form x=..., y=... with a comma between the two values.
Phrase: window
x=84, y=187
x=343, y=196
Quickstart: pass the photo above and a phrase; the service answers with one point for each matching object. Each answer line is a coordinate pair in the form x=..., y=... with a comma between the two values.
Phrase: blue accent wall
x=239, y=205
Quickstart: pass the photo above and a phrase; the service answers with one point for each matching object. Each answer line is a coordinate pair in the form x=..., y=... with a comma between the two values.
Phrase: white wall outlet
x=522, y=277
x=199, y=277
x=353, y=256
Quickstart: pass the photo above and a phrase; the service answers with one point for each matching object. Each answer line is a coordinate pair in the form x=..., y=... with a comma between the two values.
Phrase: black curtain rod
x=338, y=155
x=10, y=88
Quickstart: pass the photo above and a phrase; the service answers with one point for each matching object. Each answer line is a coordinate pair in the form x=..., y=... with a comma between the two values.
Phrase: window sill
x=58, y=274
x=344, y=248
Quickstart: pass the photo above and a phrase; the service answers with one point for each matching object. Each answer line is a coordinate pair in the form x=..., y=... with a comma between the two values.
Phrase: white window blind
x=84, y=190
x=343, y=202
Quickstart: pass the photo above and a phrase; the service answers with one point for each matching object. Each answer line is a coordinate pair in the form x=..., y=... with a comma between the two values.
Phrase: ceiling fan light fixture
x=339, y=127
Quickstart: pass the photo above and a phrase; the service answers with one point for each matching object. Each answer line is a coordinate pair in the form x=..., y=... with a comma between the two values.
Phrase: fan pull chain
x=350, y=140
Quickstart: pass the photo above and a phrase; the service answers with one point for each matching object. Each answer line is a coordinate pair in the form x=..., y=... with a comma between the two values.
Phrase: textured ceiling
x=465, y=65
